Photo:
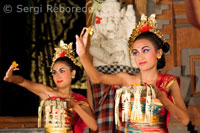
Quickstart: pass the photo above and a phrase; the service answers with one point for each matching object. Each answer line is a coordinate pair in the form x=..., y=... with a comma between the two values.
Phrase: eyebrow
x=59, y=69
x=143, y=47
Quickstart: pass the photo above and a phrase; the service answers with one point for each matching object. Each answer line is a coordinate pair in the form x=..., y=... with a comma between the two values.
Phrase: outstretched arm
x=39, y=89
x=178, y=108
x=94, y=75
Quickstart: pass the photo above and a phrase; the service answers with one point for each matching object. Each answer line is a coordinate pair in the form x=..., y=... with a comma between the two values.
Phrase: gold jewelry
x=73, y=76
x=65, y=50
x=91, y=30
x=145, y=24
x=159, y=57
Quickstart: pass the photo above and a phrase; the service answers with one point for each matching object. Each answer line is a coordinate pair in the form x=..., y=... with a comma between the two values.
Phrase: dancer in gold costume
x=66, y=70
x=148, y=46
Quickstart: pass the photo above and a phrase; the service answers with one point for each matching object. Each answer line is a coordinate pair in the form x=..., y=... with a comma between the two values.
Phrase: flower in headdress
x=145, y=24
x=63, y=54
x=65, y=50
x=145, y=29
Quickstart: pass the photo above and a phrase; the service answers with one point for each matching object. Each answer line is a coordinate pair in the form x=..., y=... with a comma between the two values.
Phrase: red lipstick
x=142, y=63
x=59, y=81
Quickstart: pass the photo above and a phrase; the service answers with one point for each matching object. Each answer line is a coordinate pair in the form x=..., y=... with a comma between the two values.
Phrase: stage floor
x=23, y=130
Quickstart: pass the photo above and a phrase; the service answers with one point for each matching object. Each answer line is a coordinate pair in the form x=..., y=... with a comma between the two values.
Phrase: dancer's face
x=62, y=74
x=145, y=54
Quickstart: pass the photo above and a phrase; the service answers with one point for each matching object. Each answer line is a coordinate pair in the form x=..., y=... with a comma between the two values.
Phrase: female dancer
x=148, y=46
x=65, y=71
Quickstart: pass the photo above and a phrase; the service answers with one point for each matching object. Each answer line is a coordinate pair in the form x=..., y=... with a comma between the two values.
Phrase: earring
x=73, y=76
x=159, y=57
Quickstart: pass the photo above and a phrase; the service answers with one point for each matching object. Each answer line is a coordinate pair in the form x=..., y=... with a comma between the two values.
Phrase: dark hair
x=69, y=62
x=158, y=44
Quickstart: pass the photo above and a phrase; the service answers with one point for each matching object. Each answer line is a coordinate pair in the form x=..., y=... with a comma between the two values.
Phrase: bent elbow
x=94, y=128
x=95, y=81
x=185, y=121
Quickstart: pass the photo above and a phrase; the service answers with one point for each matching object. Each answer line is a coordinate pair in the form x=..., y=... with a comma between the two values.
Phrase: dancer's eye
x=135, y=52
x=146, y=50
x=62, y=70
x=54, y=72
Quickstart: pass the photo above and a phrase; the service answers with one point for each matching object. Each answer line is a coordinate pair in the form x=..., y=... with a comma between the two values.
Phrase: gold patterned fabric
x=59, y=118
x=160, y=114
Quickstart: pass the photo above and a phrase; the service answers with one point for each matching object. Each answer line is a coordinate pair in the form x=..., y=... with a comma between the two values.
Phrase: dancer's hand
x=159, y=94
x=81, y=42
x=71, y=103
x=9, y=74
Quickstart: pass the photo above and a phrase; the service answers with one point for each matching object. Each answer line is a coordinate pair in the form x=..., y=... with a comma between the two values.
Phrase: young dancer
x=148, y=46
x=66, y=70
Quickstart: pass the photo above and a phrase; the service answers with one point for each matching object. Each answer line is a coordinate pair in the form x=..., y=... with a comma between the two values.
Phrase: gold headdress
x=146, y=24
x=65, y=50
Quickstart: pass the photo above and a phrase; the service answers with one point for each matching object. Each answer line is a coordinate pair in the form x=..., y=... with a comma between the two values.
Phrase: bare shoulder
x=173, y=86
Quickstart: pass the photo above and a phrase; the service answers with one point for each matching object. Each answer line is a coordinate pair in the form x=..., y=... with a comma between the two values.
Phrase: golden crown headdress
x=146, y=24
x=65, y=50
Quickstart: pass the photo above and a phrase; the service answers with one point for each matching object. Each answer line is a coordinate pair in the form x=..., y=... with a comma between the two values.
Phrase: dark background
x=15, y=36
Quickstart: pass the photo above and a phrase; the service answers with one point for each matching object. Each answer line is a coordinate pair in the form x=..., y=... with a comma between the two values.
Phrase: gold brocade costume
x=160, y=115
x=57, y=118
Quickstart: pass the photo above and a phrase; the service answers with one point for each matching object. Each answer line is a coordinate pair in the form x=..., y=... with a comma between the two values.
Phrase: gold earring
x=159, y=57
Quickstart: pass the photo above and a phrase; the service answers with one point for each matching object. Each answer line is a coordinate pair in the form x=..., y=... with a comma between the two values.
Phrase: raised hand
x=81, y=42
x=9, y=74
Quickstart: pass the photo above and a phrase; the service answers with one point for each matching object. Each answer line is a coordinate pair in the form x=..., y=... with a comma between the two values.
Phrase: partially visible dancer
x=66, y=70
x=148, y=46
x=192, y=8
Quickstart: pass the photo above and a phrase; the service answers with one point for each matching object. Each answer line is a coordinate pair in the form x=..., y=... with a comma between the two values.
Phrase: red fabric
x=54, y=97
x=162, y=84
x=80, y=126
